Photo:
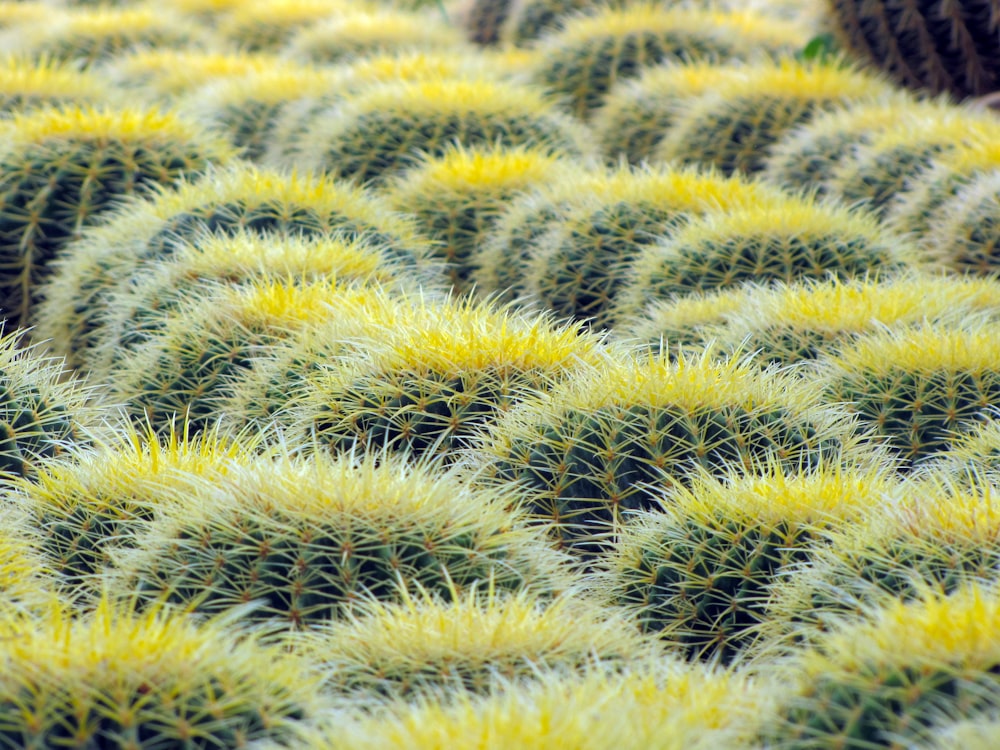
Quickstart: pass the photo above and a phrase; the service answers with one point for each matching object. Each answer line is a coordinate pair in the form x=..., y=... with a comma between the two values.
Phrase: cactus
x=267, y=25
x=636, y=114
x=88, y=37
x=590, y=53
x=457, y=197
x=310, y=538
x=529, y=20
x=880, y=682
x=968, y=733
x=922, y=45
x=226, y=200
x=354, y=35
x=966, y=238
x=116, y=679
x=797, y=239
x=972, y=454
x=798, y=322
x=483, y=20
x=16, y=13
x=878, y=172
x=379, y=132
x=470, y=644
x=27, y=85
x=430, y=388
x=697, y=570
x=579, y=266
x=26, y=584
x=734, y=126
x=919, y=386
x=608, y=440
x=62, y=169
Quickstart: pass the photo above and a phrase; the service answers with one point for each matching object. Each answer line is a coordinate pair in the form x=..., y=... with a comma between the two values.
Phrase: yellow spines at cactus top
x=15, y=13
x=26, y=575
x=733, y=126
x=113, y=678
x=887, y=676
x=474, y=642
x=973, y=453
x=310, y=538
x=28, y=84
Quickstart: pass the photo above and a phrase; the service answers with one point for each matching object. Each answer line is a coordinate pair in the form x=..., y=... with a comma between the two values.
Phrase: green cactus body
x=609, y=440
x=242, y=198
x=92, y=36
x=697, y=571
x=798, y=322
x=457, y=197
x=29, y=84
x=470, y=645
x=936, y=532
x=917, y=387
x=799, y=239
x=734, y=126
x=584, y=59
x=878, y=172
x=531, y=19
x=483, y=20
x=377, y=133
x=923, y=45
x=310, y=539
x=580, y=265
x=973, y=454
x=267, y=25
x=804, y=157
x=430, y=388
x=879, y=682
x=355, y=35
x=636, y=114
x=63, y=169
x=966, y=237
x=245, y=108
x=115, y=679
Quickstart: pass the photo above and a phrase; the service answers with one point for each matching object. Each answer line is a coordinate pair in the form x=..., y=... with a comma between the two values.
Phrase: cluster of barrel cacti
x=424, y=374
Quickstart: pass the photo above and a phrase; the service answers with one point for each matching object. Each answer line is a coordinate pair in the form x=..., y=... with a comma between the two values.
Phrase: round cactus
x=115, y=679
x=881, y=681
x=310, y=539
x=530, y=19
x=354, y=35
x=636, y=114
x=796, y=239
x=610, y=439
x=267, y=25
x=917, y=387
x=584, y=59
x=923, y=46
x=469, y=645
x=382, y=130
x=734, y=126
x=876, y=173
x=225, y=201
x=457, y=197
x=966, y=238
x=697, y=571
x=429, y=388
x=29, y=84
x=578, y=267
x=61, y=169
x=89, y=36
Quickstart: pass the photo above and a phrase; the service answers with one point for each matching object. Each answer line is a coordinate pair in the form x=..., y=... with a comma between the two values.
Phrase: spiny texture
x=585, y=58
x=117, y=680
x=531, y=19
x=734, y=126
x=483, y=20
x=917, y=387
x=790, y=241
x=30, y=84
x=925, y=44
x=880, y=682
x=225, y=201
x=105, y=495
x=26, y=584
x=472, y=644
x=612, y=437
x=267, y=25
x=380, y=131
x=877, y=172
x=309, y=538
x=973, y=453
x=636, y=114
x=430, y=387
x=697, y=571
x=183, y=371
x=62, y=168
x=966, y=237
x=457, y=197
x=791, y=323
x=579, y=266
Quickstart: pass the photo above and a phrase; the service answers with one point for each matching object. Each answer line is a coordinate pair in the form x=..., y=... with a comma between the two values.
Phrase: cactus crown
x=684, y=320
x=173, y=71
x=25, y=79
x=788, y=78
x=475, y=168
x=266, y=85
x=420, y=65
